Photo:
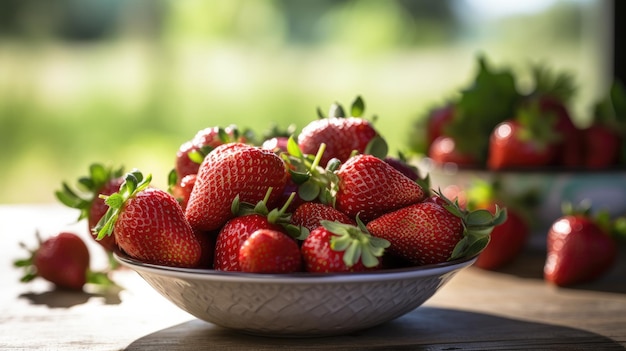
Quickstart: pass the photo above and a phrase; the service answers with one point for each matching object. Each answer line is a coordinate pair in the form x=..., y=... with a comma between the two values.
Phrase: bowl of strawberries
x=319, y=233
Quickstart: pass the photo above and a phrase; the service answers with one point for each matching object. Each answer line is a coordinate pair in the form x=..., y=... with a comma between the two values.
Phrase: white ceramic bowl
x=297, y=305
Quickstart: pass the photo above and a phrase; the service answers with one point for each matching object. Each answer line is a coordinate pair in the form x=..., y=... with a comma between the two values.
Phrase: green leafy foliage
x=87, y=188
x=488, y=101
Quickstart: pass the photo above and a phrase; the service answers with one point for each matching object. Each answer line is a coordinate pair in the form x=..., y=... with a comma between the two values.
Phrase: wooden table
x=478, y=310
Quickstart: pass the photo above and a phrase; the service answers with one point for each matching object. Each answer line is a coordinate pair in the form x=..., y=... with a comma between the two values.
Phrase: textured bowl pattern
x=297, y=304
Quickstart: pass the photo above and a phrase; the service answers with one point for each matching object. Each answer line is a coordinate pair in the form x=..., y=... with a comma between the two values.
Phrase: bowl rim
x=295, y=278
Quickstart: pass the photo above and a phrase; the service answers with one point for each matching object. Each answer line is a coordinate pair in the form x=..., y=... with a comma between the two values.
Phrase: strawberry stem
x=477, y=227
x=134, y=182
x=356, y=242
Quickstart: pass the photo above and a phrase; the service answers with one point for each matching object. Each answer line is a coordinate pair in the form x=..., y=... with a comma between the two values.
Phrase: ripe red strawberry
x=400, y=163
x=506, y=243
x=552, y=92
x=437, y=120
x=207, y=243
x=149, y=224
x=62, y=259
x=270, y=251
x=276, y=144
x=182, y=190
x=232, y=236
x=435, y=231
x=341, y=135
x=443, y=150
x=508, y=239
x=232, y=170
x=191, y=153
x=370, y=187
x=523, y=142
x=605, y=139
x=602, y=147
x=310, y=214
x=100, y=181
x=580, y=250
x=336, y=247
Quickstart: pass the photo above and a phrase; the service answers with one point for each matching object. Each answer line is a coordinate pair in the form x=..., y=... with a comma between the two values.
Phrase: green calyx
x=278, y=216
x=547, y=82
x=314, y=182
x=336, y=109
x=87, y=188
x=537, y=126
x=356, y=242
x=477, y=227
x=134, y=182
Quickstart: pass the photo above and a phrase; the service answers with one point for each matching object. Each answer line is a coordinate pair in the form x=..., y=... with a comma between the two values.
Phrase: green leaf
x=336, y=110
x=308, y=191
x=480, y=217
x=115, y=200
x=377, y=147
x=172, y=179
x=358, y=107
x=293, y=149
x=320, y=113
x=99, y=174
x=196, y=156
x=134, y=182
x=476, y=246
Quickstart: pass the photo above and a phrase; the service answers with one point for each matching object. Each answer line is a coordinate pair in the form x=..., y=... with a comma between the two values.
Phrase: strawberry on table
x=101, y=180
x=508, y=239
x=580, y=247
x=370, y=187
x=435, y=231
x=270, y=251
x=149, y=224
x=62, y=259
x=335, y=247
x=506, y=242
x=229, y=171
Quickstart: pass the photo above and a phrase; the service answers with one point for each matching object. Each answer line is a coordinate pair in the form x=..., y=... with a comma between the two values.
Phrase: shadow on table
x=59, y=298
x=426, y=328
x=530, y=264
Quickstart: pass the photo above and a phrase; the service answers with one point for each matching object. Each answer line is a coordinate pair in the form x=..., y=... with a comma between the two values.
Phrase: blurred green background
x=127, y=82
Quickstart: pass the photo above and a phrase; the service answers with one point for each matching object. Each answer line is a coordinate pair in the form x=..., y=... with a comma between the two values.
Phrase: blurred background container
x=127, y=82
